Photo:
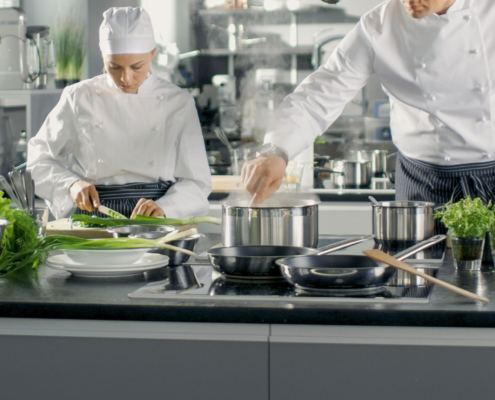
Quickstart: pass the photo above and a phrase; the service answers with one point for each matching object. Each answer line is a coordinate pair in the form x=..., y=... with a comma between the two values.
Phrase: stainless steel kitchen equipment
x=126, y=230
x=13, y=60
x=259, y=261
x=16, y=180
x=6, y=186
x=348, y=174
x=40, y=55
x=277, y=221
x=339, y=272
x=378, y=160
x=175, y=257
x=402, y=222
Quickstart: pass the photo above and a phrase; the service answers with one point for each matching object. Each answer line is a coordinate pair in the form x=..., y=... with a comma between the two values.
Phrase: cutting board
x=63, y=227
x=227, y=183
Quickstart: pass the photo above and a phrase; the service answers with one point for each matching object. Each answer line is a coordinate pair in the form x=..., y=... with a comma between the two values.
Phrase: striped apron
x=123, y=198
x=421, y=181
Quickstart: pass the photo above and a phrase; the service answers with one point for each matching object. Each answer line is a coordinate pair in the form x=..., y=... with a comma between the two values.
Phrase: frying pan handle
x=420, y=246
x=342, y=245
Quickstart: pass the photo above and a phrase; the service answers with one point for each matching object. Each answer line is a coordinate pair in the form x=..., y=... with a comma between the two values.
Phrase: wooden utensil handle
x=383, y=257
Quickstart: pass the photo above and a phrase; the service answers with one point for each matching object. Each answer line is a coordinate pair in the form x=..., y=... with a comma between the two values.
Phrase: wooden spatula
x=379, y=255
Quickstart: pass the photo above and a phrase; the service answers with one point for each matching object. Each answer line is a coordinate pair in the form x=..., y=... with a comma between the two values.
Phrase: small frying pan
x=344, y=271
x=259, y=261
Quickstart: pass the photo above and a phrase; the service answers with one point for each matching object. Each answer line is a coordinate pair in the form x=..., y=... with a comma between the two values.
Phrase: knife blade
x=111, y=213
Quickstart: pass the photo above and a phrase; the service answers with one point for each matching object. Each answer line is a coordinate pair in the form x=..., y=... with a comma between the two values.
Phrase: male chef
x=436, y=62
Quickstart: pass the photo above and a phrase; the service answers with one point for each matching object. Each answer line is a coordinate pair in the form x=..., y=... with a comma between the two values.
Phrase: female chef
x=125, y=139
x=436, y=61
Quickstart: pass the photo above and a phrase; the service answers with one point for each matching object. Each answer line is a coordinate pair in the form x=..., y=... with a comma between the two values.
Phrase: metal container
x=402, y=221
x=175, y=257
x=348, y=174
x=277, y=222
x=378, y=160
x=126, y=230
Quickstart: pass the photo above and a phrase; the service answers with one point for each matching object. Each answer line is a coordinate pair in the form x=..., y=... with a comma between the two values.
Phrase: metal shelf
x=256, y=11
x=276, y=51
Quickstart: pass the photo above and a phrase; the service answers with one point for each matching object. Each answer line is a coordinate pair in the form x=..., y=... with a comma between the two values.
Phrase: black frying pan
x=344, y=271
x=259, y=261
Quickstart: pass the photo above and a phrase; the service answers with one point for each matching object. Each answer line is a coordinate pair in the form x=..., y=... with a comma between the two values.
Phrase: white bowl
x=105, y=257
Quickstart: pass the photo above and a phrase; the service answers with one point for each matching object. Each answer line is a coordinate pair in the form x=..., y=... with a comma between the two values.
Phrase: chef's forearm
x=319, y=100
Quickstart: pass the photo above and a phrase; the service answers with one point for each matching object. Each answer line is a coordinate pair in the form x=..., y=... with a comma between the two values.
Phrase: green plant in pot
x=69, y=38
x=468, y=222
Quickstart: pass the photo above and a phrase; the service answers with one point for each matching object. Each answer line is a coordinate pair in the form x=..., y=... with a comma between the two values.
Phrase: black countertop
x=58, y=294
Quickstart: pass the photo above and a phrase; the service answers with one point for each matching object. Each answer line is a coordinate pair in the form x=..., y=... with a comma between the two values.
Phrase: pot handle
x=331, y=171
x=342, y=245
x=420, y=246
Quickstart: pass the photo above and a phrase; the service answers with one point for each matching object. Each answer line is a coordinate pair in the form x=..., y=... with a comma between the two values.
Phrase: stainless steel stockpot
x=276, y=222
x=402, y=221
x=378, y=159
x=350, y=174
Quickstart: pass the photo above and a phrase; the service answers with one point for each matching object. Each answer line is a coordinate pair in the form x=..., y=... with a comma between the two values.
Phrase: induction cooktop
x=199, y=281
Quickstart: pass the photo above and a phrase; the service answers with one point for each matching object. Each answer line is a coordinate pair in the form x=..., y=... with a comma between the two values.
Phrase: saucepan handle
x=420, y=246
x=342, y=245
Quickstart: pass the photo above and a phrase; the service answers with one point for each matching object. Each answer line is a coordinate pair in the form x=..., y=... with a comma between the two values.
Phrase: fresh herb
x=467, y=217
x=140, y=220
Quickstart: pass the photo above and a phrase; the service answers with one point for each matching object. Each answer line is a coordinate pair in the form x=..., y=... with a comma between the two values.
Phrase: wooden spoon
x=379, y=255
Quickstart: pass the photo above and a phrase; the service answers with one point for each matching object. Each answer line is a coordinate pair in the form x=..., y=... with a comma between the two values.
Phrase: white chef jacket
x=104, y=136
x=438, y=71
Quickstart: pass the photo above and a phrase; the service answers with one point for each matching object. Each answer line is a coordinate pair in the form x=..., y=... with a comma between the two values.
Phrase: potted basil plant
x=468, y=222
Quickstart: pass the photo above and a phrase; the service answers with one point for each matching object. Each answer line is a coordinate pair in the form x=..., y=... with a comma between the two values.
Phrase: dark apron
x=123, y=198
x=421, y=181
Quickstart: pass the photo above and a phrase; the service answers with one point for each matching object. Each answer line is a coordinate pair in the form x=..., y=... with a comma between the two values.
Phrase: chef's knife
x=111, y=213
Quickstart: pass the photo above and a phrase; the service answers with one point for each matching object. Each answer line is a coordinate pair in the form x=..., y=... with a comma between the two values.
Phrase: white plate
x=105, y=273
x=105, y=257
x=147, y=262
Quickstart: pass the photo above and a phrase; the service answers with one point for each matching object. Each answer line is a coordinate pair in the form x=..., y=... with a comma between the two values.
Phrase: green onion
x=141, y=220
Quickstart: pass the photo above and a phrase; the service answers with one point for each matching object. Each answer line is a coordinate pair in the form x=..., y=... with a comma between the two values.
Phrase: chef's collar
x=458, y=6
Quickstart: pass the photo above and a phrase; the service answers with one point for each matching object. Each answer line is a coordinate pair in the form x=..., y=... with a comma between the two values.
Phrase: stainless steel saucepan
x=343, y=271
x=278, y=221
x=402, y=221
x=259, y=261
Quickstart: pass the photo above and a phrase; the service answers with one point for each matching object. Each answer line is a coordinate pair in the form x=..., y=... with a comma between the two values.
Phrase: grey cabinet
x=386, y=363
x=53, y=359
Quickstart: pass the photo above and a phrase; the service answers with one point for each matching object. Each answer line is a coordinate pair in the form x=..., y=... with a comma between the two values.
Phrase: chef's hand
x=85, y=195
x=147, y=208
x=262, y=177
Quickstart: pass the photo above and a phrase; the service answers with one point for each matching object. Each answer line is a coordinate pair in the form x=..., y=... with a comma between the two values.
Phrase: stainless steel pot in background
x=278, y=221
x=402, y=221
x=348, y=174
x=378, y=159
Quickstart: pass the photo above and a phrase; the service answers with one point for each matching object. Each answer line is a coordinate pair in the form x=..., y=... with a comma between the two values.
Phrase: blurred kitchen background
x=238, y=58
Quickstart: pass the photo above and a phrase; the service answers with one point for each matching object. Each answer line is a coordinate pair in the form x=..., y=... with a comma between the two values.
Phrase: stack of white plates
x=107, y=263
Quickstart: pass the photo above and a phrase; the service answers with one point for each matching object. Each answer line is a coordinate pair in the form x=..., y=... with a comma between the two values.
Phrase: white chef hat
x=126, y=30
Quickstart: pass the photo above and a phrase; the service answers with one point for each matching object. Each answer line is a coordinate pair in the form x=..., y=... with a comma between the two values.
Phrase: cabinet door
x=136, y=360
x=349, y=363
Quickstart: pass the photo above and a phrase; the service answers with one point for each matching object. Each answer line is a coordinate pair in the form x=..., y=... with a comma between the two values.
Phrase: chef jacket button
x=482, y=119
x=441, y=125
x=160, y=97
x=106, y=183
x=447, y=158
x=62, y=208
x=487, y=155
x=467, y=17
x=423, y=65
x=154, y=129
x=100, y=161
x=474, y=51
x=481, y=89
x=432, y=97
x=98, y=91
x=152, y=163
x=98, y=126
